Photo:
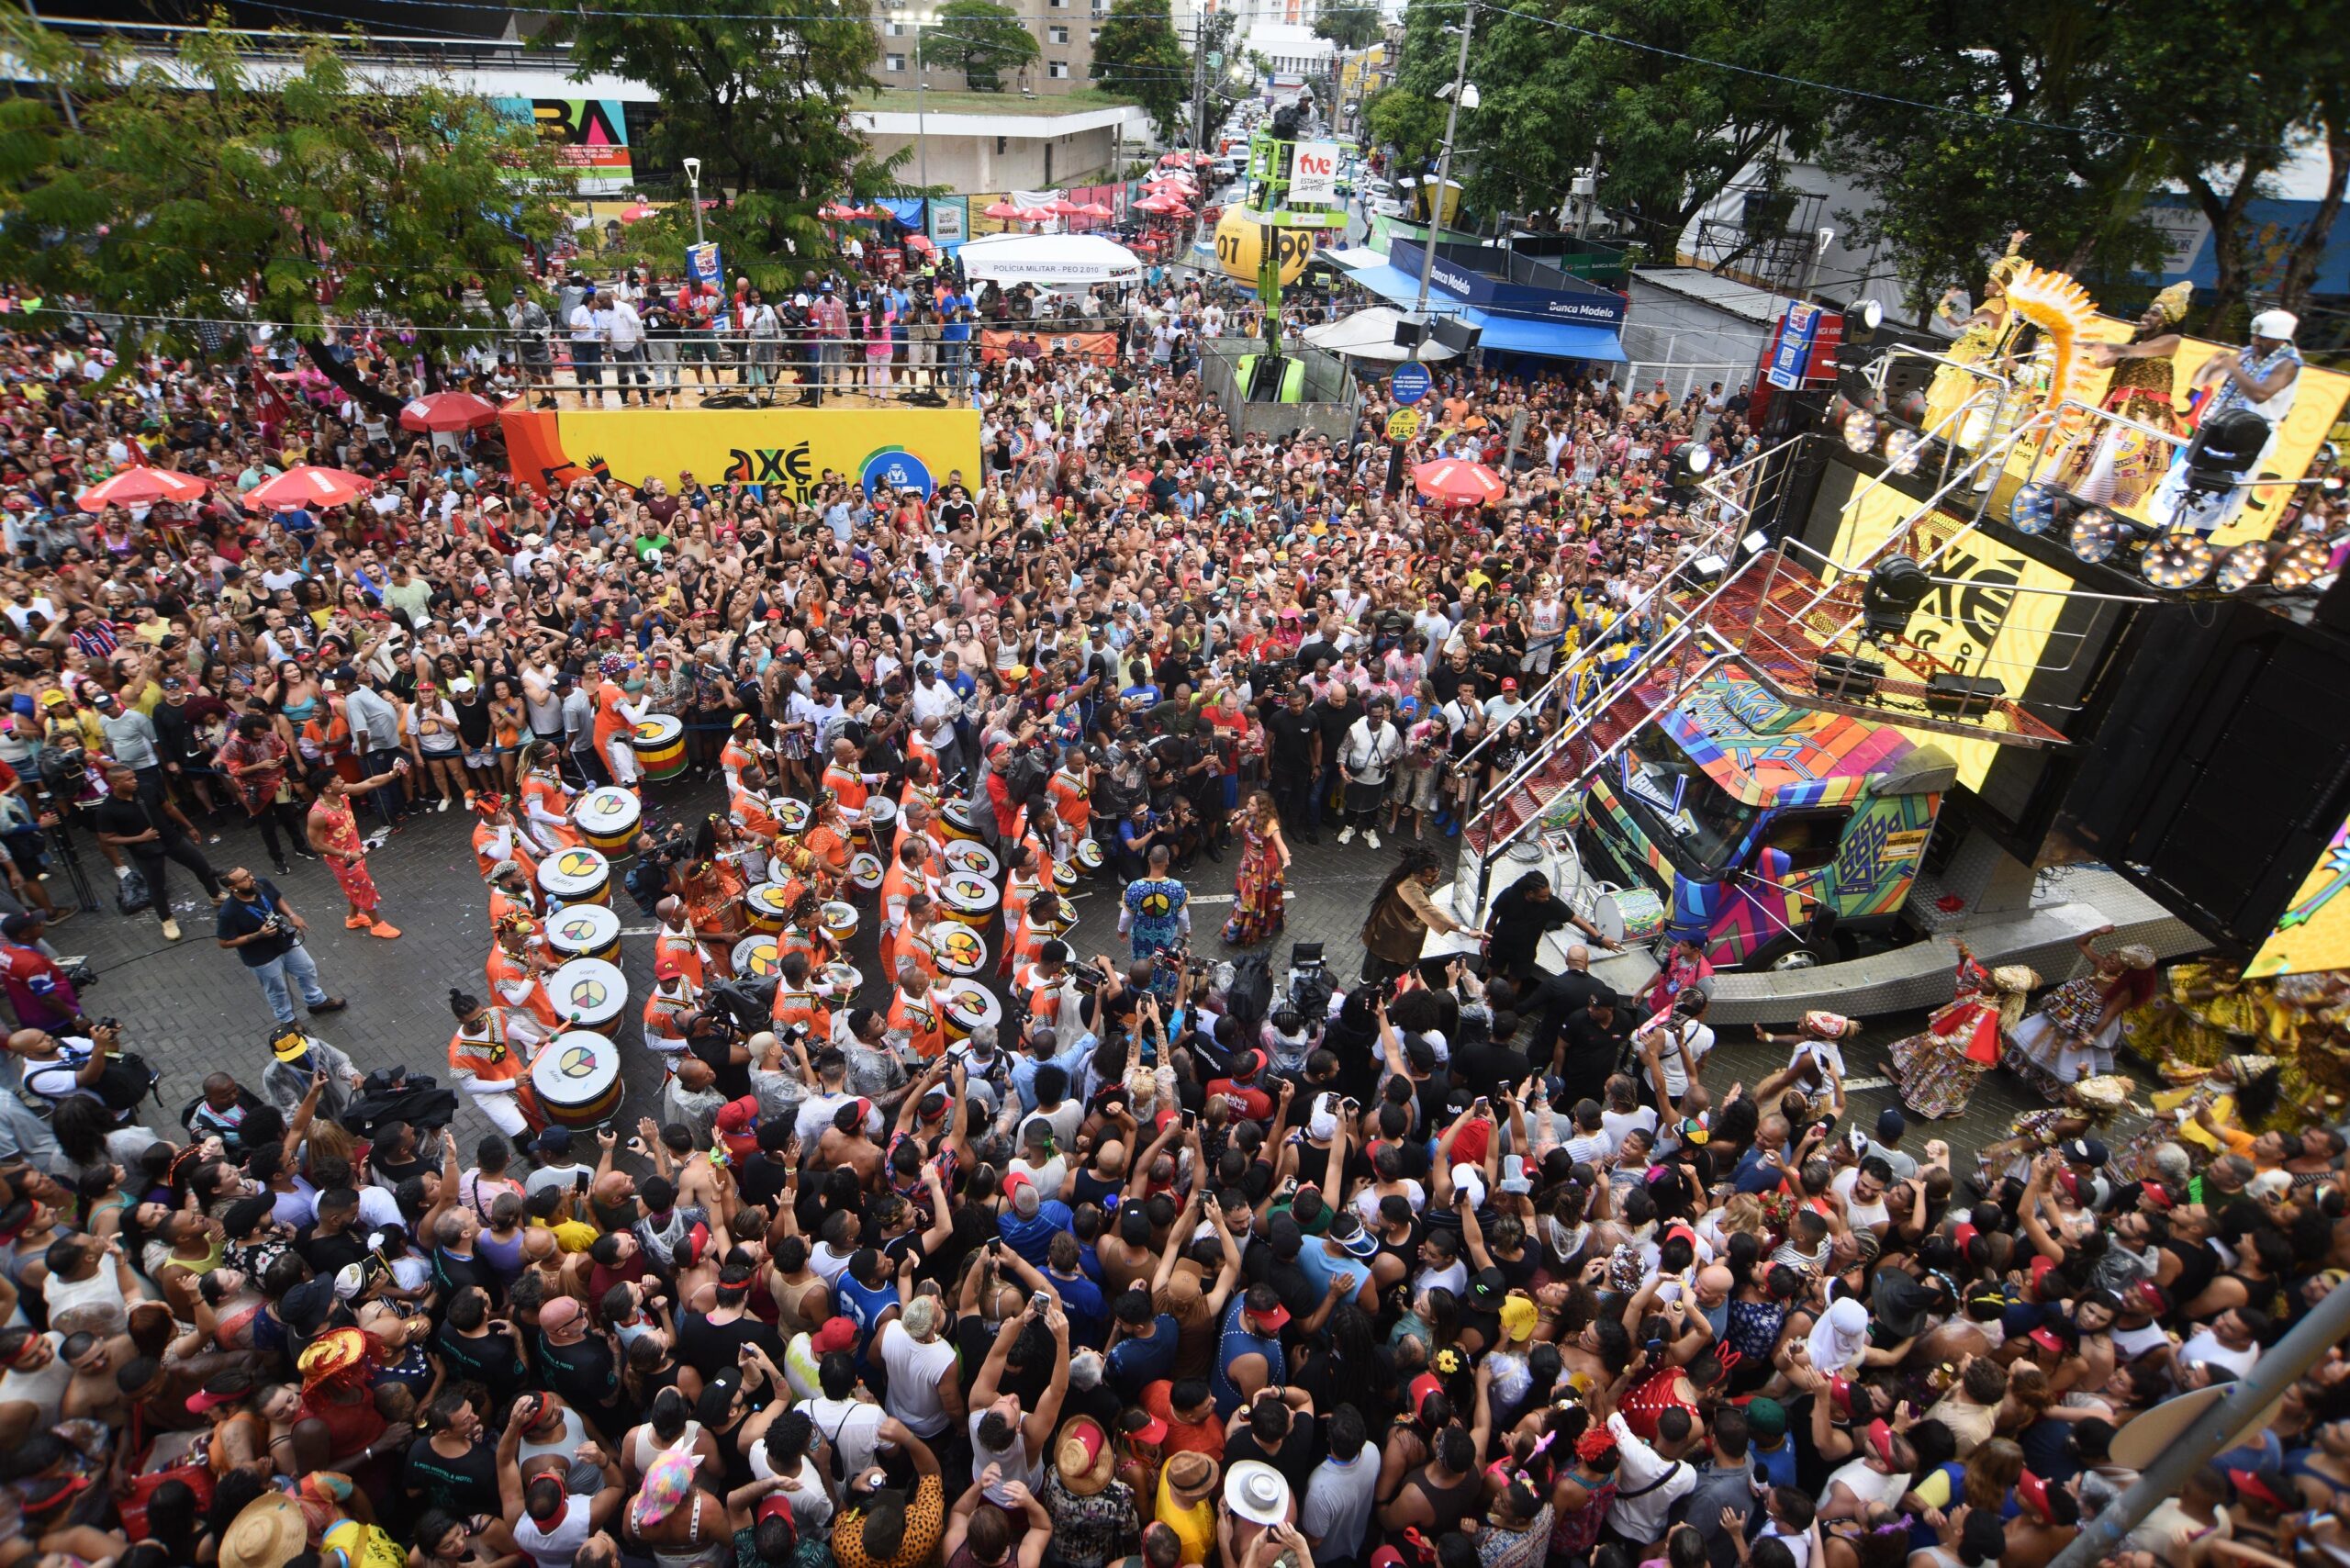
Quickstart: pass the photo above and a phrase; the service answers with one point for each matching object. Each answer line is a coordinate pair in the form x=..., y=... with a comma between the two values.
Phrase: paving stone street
x=192, y=1008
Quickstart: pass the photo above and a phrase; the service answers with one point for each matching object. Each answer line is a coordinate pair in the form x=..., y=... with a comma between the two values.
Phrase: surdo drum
x=576, y=1078
x=968, y=1006
x=576, y=875
x=959, y=950
x=970, y=854
x=591, y=989
x=660, y=744
x=967, y=898
x=607, y=817
x=584, y=931
x=755, y=957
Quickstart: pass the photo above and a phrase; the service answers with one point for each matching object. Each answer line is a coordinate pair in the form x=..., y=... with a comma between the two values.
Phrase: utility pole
x=1444, y=165
x=1199, y=82
x=922, y=100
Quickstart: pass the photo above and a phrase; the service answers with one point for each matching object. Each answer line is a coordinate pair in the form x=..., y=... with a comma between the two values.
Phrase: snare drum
x=1064, y=877
x=766, y=907
x=790, y=814
x=967, y=1006
x=576, y=875
x=881, y=824
x=968, y=855
x=660, y=743
x=955, y=821
x=846, y=980
x=1089, y=856
x=839, y=922
x=577, y=1077
x=865, y=869
x=607, y=817
x=755, y=957
x=584, y=931
x=592, y=989
x=958, y=950
x=967, y=898
x=1633, y=916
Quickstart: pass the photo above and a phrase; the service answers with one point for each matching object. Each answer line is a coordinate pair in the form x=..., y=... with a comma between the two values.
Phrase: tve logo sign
x=1314, y=174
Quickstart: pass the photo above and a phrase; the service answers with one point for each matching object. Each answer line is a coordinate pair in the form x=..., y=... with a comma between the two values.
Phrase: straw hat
x=2105, y=1091
x=1191, y=1476
x=269, y=1533
x=1084, y=1456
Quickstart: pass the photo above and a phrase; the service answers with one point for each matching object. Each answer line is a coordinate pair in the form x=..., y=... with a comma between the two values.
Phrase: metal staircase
x=1770, y=614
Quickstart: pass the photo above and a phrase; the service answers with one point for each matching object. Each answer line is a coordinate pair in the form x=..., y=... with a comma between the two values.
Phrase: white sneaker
x=1347, y=834
x=1371, y=836
x=445, y=802
x=171, y=930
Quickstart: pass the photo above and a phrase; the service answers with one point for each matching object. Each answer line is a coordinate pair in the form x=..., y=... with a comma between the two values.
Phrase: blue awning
x=1553, y=340
x=1503, y=334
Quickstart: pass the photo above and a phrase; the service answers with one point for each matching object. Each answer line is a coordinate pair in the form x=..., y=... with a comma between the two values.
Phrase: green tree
x=761, y=91
x=1349, y=26
x=201, y=192
x=982, y=39
x=1138, y=54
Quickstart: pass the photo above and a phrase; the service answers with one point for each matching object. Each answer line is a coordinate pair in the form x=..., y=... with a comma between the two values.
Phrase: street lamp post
x=1444, y=165
x=693, y=180
x=922, y=100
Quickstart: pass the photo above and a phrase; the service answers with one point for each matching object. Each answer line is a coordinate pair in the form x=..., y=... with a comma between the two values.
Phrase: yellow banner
x=793, y=449
x=2314, y=933
x=1985, y=627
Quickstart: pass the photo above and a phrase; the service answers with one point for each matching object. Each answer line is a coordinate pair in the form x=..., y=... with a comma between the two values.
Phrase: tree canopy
x=215, y=192
x=760, y=90
x=982, y=39
x=1349, y=26
x=1138, y=54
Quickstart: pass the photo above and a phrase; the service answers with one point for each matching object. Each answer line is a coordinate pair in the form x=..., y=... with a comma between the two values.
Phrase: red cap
x=2048, y=1339
x=2246, y=1481
x=775, y=1506
x=1152, y=1431
x=2032, y=1493
x=1839, y=1394
x=1880, y=1440
x=2150, y=1294
x=1963, y=1233
x=737, y=1116
x=668, y=966
x=1271, y=1321
x=836, y=1334
x=1509, y=683
x=202, y=1402
x=2155, y=1194
x=2040, y=1268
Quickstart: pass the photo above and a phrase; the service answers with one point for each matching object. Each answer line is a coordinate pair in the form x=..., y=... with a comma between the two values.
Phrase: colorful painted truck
x=1775, y=835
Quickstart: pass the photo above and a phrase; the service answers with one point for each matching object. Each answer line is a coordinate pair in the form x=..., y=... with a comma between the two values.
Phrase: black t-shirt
x=127, y=819
x=1295, y=1459
x=734, y=1078
x=1315, y=653
x=240, y=918
x=1290, y=734
x=761, y=1179
x=1591, y=1052
x=583, y=1373
x=326, y=1254
x=710, y=1347
x=1488, y=1069
x=489, y=1360
x=1334, y=723
x=451, y=1274
x=464, y=1486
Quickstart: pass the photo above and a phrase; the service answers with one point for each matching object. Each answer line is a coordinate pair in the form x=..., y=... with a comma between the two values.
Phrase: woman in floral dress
x=1264, y=865
x=336, y=838
x=1936, y=1068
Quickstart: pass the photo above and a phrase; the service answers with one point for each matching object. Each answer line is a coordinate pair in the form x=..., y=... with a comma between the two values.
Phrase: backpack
x=1249, y=999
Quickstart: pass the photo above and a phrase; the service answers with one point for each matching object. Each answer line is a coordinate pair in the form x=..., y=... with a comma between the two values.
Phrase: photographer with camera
x=266, y=933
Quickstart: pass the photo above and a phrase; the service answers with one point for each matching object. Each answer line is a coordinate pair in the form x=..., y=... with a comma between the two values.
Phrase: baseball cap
x=2083, y=1151
x=836, y=1334
x=1276, y=1319
x=2031, y=1491
x=1766, y=1418
x=1891, y=1124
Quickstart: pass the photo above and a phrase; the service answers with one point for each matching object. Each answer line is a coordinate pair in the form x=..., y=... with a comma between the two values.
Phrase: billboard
x=950, y=219
x=791, y=449
x=592, y=134
x=1314, y=174
x=2314, y=933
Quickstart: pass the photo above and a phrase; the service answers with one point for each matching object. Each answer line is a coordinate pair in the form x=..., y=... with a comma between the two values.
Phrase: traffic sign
x=1411, y=383
x=1402, y=424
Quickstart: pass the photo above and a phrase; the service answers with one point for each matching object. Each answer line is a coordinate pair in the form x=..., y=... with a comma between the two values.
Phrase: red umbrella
x=1456, y=482
x=1096, y=210
x=307, y=485
x=1000, y=209
x=448, y=412
x=1036, y=214
x=638, y=213
x=1165, y=206
x=1061, y=207
x=140, y=485
x=920, y=242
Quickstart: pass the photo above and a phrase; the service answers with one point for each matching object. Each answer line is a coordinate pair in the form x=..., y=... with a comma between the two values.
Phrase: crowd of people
x=1465, y=1265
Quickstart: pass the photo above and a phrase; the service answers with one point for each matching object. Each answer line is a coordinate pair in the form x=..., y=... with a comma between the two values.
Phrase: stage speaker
x=1410, y=334
x=1457, y=334
x=1963, y=696
x=1847, y=676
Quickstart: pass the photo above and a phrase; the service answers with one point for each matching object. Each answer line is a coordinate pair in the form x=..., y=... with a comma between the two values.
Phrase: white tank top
x=555, y=1546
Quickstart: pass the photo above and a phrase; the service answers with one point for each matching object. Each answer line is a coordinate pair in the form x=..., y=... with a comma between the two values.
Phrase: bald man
x=1548, y=1000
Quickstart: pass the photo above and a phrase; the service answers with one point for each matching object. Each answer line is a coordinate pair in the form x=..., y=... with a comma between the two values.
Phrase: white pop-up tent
x=1056, y=260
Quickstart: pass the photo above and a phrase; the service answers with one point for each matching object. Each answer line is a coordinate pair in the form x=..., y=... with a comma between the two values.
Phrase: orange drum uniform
x=804, y=1008
x=847, y=786
x=504, y=905
x=917, y=1019
x=546, y=806
x=495, y=1059
x=1072, y=801
x=517, y=986
x=830, y=848
x=751, y=814
x=682, y=946
x=494, y=841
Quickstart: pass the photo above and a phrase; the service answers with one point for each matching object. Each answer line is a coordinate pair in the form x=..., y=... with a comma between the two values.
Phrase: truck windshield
x=1694, y=821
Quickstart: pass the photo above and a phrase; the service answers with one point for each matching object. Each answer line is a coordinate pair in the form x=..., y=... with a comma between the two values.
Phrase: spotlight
x=2096, y=537
x=2301, y=566
x=2034, y=508
x=2175, y=561
x=1859, y=430
x=1896, y=586
x=1755, y=543
x=1698, y=458
x=2243, y=566
x=1901, y=451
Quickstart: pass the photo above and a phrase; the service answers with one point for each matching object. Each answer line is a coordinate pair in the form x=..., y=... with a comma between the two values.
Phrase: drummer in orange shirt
x=617, y=718
x=914, y=1013
x=497, y=836
x=512, y=893
x=910, y=873
x=1070, y=790
x=742, y=752
x=849, y=786
x=546, y=804
x=674, y=936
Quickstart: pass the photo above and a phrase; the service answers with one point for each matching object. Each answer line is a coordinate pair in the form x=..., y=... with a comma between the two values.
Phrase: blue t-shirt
x=1032, y=1239
x=1089, y=1314
x=1145, y=1358
x=951, y=330
x=1320, y=1268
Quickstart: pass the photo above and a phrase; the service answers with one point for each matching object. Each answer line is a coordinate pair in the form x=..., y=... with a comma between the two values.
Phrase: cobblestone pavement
x=192, y=1008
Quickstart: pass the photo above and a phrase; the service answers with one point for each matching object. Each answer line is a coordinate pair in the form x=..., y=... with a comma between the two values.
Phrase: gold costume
x=1979, y=342
x=2113, y=463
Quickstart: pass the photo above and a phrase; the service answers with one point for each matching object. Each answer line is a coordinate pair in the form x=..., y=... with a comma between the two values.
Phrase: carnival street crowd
x=1396, y=1264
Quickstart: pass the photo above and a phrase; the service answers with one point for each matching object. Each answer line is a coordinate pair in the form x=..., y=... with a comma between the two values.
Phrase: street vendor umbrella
x=1036, y=214
x=839, y=212
x=1095, y=209
x=1457, y=482
x=307, y=485
x=448, y=412
x=1000, y=209
x=139, y=485
x=1164, y=206
x=638, y=213
x=1061, y=207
